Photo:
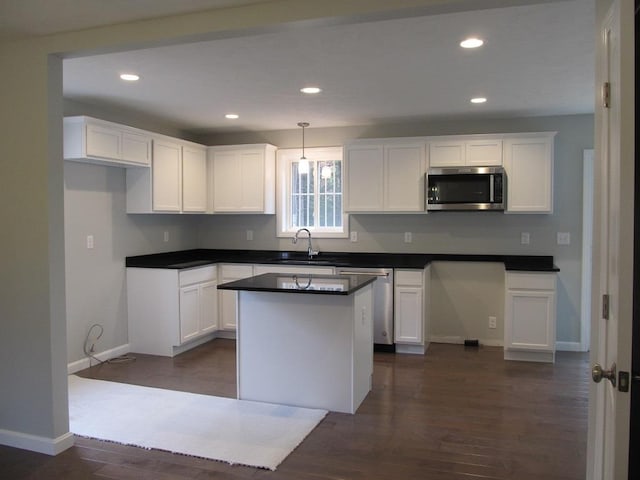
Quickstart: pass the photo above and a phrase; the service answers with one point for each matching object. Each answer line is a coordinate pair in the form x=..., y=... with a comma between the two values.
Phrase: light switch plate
x=525, y=238
x=249, y=235
x=564, y=238
x=354, y=236
x=408, y=238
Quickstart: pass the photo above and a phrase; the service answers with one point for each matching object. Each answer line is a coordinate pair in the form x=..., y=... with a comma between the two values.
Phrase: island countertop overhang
x=302, y=283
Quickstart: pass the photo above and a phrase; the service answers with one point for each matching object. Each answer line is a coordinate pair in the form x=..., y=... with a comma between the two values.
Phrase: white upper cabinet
x=194, y=179
x=175, y=183
x=167, y=176
x=385, y=177
x=465, y=150
x=91, y=140
x=364, y=172
x=242, y=178
x=528, y=162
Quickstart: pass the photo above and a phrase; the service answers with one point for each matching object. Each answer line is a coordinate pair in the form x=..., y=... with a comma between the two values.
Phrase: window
x=310, y=196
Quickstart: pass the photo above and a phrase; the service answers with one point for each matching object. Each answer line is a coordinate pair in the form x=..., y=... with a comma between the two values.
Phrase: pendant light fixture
x=303, y=164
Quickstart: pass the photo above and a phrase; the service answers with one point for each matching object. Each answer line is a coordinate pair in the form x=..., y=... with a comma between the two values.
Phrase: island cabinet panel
x=305, y=350
x=529, y=168
x=171, y=310
x=385, y=177
x=91, y=140
x=242, y=178
x=411, y=310
x=227, y=299
x=530, y=316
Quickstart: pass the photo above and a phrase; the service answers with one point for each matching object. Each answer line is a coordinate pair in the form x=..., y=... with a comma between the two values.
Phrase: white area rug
x=233, y=431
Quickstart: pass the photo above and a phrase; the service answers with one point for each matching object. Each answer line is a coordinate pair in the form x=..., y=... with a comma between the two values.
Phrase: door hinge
x=606, y=94
x=605, y=306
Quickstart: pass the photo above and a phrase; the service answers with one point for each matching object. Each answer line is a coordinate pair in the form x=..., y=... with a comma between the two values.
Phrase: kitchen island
x=305, y=340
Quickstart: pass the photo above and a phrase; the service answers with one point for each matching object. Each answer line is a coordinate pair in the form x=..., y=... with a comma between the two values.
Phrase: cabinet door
x=167, y=176
x=136, y=148
x=408, y=314
x=364, y=170
x=480, y=153
x=103, y=142
x=194, y=179
x=251, y=181
x=208, y=307
x=227, y=298
x=227, y=187
x=189, y=313
x=529, y=168
x=529, y=320
x=447, y=153
x=404, y=170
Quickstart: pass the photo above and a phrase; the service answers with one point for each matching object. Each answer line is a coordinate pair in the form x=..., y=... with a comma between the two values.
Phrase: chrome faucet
x=310, y=251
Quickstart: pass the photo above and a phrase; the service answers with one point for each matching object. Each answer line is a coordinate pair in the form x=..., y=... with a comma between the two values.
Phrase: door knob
x=597, y=373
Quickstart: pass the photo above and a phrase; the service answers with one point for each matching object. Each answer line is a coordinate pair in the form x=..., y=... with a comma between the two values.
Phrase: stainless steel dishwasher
x=382, y=304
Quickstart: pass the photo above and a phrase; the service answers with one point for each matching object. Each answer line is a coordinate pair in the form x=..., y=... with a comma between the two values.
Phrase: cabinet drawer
x=235, y=272
x=408, y=277
x=531, y=281
x=197, y=275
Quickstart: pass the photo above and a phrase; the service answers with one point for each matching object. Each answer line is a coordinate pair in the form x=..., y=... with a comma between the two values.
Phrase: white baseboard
x=35, y=443
x=569, y=347
x=74, y=367
x=460, y=341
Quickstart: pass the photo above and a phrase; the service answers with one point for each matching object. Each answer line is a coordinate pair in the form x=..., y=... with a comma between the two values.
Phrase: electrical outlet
x=408, y=238
x=492, y=322
x=525, y=238
x=166, y=235
x=249, y=235
x=89, y=241
x=354, y=236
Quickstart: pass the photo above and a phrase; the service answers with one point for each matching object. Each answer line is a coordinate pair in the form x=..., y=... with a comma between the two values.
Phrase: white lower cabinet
x=530, y=316
x=228, y=311
x=169, y=310
x=411, y=310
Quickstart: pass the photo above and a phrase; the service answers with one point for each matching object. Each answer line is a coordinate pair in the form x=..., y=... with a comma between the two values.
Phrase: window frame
x=284, y=159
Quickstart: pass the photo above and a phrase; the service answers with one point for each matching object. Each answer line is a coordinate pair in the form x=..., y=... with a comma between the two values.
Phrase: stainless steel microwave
x=466, y=188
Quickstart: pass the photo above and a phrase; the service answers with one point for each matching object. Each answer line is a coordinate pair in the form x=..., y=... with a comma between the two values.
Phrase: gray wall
x=94, y=203
x=446, y=232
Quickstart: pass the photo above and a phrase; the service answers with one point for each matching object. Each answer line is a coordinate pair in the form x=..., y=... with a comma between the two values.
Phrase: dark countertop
x=200, y=257
x=286, y=283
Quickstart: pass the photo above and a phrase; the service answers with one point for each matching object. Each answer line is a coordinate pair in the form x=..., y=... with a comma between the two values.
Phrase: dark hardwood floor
x=456, y=413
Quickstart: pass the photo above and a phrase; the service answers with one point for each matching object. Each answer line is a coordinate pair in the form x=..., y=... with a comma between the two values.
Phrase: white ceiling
x=537, y=60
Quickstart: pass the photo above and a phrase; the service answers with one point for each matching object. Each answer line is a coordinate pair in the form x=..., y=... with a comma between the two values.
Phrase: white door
x=608, y=441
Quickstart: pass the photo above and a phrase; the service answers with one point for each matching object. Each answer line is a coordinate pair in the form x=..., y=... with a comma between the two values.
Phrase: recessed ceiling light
x=311, y=90
x=232, y=116
x=471, y=42
x=478, y=100
x=130, y=77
